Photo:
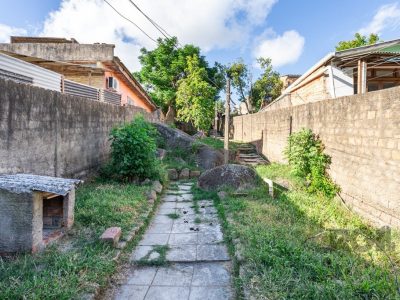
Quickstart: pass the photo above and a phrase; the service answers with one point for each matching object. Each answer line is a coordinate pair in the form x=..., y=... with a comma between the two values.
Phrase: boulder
x=172, y=174
x=206, y=157
x=185, y=174
x=237, y=177
x=157, y=187
x=145, y=182
x=195, y=174
x=199, y=135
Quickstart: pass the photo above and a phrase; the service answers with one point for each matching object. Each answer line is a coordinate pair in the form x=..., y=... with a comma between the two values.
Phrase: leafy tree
x=195, y=96
x=267, y=86
x=358, y=41
x=163, y=67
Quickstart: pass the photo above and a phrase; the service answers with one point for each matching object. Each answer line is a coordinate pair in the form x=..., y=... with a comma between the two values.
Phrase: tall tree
x=267, y=86
x=196, y=96
x=358, y=41
x=163, y=67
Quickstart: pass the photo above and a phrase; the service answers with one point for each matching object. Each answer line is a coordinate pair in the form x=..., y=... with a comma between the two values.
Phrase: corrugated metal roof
x=395, y=49
x=26, y=183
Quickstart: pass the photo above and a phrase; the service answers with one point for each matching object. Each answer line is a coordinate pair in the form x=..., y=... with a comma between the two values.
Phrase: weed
x=173, y=216
x=197, y=220
x=161, y=259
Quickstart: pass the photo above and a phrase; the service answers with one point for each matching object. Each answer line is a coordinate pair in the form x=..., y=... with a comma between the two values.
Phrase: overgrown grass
x=179, y=159
x=80, y=262
x=218, y=144
x=302, y=246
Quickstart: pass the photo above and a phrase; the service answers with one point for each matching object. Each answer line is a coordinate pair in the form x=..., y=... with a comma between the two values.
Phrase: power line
x=158, y=27
x=130, y=21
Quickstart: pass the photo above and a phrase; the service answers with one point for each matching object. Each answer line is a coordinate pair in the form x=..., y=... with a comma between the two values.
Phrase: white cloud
x=387, y=17
x=209, y=24
x=7, y=31
x=282, y=49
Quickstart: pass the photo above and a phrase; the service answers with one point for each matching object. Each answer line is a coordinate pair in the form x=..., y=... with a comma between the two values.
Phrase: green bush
x=307, y=160
x=133, y=150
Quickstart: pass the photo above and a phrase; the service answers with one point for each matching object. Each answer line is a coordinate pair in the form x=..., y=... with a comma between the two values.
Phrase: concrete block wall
x=361, y=133
x=49, y=133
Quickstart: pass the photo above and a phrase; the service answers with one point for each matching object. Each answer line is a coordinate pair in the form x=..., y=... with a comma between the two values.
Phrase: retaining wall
x=361, y=133
x=48, y=133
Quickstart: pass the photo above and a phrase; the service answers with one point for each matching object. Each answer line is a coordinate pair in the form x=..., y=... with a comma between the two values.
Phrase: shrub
x=133, y=150
x=306, y=158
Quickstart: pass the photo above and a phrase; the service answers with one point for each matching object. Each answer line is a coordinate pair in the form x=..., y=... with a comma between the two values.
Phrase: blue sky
x=296, y=34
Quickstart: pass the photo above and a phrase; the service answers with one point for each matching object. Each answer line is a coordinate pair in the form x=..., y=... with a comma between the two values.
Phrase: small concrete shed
x=34, y=210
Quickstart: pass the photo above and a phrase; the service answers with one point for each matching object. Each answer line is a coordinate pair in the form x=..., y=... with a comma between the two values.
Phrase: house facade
x=344, y=73
x=94, y=65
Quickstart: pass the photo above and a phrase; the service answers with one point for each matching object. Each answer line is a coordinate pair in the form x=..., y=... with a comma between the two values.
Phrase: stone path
x=182, y=254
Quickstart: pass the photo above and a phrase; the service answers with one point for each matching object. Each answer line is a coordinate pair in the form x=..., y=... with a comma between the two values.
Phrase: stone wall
x=361, y=133
x=49, y=133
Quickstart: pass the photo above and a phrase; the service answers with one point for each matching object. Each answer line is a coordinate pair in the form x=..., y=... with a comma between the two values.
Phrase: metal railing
x=82, y=90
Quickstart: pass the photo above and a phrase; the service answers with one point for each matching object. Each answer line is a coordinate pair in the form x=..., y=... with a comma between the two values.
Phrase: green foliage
x=305, y=155
x=358, y=41
x=133, y=150
x=195, y=96
x=164, y=66
x=314, y=248
x=267, y=87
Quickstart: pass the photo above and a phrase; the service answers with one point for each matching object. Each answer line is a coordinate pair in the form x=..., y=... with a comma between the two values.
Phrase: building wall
x=49, y=133
x=16, y=217
x=361, y=133
x=313, y=91
x=97, y=81
x=63, y=51
x=126, y=91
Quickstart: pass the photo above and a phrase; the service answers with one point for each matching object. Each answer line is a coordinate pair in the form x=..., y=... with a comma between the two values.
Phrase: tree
x=358, y=41
x=196, y=96
x=163, y=67
x=267, y=86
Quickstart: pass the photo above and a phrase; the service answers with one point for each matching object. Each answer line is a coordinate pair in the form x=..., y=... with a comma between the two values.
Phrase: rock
x=206, y=157
x=172, y=174
x=185, y=174
x=233, y=176
x=222, y=195
x=161, y=153
x=151, y=195
x=180, y=160
x=112, y=235
x=199, y=135
x=145, y=182
x=157, y=187
x=195, y=174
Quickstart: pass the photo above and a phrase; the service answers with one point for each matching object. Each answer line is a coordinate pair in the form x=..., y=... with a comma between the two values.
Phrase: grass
x=173, y=216
x=161, y=260
x=301, y=246
x=218, y=144
x=179, y=159
x=80, y=262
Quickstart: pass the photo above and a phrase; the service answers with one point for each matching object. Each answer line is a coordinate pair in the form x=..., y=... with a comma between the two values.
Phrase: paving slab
x=198, y=264
x=181, y=253
x=174, y=275
x=154, y=239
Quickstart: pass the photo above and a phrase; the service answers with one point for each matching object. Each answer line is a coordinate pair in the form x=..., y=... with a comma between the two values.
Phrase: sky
x=294, y=34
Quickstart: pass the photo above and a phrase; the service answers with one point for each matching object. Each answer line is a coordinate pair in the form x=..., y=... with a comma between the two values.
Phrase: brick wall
x=361, y=134
x=49, y=133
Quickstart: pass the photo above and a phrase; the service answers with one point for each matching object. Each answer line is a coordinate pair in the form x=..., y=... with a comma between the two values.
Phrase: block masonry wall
x=49, y=133
x=361, y=133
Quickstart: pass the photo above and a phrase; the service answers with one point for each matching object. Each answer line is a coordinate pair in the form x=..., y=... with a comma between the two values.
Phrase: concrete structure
x=34, y=210
x=361, y=133
x=287, y=80
x=48, y=133
x=91, y=64
x=341, y=74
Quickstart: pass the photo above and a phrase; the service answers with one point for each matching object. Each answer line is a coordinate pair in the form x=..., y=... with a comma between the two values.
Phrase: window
x=112, y=83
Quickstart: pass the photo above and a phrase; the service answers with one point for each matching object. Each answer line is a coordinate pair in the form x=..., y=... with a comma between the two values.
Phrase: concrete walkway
x=182, y=255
